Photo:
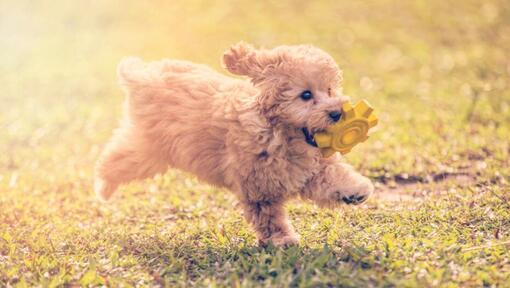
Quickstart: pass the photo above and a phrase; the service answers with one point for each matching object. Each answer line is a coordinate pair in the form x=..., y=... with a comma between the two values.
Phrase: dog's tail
x=132, y=71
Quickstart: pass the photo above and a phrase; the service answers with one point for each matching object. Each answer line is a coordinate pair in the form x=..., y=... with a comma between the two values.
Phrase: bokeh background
x=437, y=73
x=422, y=64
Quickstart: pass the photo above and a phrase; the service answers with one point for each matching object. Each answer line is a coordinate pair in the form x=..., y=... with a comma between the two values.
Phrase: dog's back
x=174, y=115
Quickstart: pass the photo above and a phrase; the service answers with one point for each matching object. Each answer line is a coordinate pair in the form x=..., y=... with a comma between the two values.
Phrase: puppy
x=253, y=137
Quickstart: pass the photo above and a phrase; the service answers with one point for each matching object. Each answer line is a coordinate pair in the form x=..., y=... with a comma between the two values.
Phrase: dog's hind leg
x=126, y=157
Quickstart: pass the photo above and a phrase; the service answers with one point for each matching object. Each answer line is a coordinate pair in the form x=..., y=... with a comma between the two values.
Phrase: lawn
x=437, y=73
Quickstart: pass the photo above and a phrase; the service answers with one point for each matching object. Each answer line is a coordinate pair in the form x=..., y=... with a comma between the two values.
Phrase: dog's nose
x=335, y=115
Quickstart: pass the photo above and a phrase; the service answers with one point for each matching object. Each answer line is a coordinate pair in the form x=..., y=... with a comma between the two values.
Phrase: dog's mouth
x=309, y=137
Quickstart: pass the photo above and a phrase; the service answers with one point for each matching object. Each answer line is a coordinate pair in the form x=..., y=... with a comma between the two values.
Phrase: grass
x=436, y=71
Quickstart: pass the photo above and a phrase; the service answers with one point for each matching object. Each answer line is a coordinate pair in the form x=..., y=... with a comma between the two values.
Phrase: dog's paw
x=103, y=189
x=281, y=240
x=356, y=193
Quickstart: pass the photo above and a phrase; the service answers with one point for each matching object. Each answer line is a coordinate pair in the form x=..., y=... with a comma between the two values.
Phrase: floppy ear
x=243, y=59
x=240, y=59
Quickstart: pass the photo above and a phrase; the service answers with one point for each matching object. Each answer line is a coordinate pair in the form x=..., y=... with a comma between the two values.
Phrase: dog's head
x=300, y=85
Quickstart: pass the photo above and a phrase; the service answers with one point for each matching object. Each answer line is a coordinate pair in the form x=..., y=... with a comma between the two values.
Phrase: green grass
x=436, y=71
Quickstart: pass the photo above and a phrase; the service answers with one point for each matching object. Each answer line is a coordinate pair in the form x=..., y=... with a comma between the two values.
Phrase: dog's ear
x=243, y=59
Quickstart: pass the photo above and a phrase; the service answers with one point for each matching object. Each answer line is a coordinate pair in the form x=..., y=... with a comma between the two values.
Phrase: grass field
x=437, y=72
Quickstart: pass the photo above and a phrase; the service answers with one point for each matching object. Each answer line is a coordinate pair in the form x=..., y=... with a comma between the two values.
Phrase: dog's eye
x=306, y=95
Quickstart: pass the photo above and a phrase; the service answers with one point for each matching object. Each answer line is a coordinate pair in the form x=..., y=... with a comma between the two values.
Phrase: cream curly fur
x=243, y=135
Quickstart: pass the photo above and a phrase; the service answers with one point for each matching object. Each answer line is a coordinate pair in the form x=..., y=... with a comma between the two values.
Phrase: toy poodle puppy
x=253, y=137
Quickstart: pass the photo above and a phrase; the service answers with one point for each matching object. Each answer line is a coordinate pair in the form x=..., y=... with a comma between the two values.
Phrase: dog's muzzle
x=309, y=137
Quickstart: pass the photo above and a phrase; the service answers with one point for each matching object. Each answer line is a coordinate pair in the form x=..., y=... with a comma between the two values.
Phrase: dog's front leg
x=270, y=222
x=337, y=183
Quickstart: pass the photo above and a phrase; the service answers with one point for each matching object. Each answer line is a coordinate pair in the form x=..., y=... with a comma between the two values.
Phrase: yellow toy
x=349, y=131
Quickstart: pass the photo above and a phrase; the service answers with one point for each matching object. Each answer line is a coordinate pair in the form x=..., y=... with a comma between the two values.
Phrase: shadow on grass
x=172, y=261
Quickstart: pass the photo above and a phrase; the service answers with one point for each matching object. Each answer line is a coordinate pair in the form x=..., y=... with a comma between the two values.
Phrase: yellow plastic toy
x=349, y=131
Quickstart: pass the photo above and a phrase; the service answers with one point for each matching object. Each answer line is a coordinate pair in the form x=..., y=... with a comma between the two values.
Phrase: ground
x=437, y=73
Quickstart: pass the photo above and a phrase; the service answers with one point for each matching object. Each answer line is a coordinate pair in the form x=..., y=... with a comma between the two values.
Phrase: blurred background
x=436, y=71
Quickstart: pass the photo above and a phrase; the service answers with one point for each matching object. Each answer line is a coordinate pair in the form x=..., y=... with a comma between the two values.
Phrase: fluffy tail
x=132, y=71
x=132, y=154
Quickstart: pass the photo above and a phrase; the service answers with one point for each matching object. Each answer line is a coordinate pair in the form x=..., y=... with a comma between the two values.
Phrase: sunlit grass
x=436, y=71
